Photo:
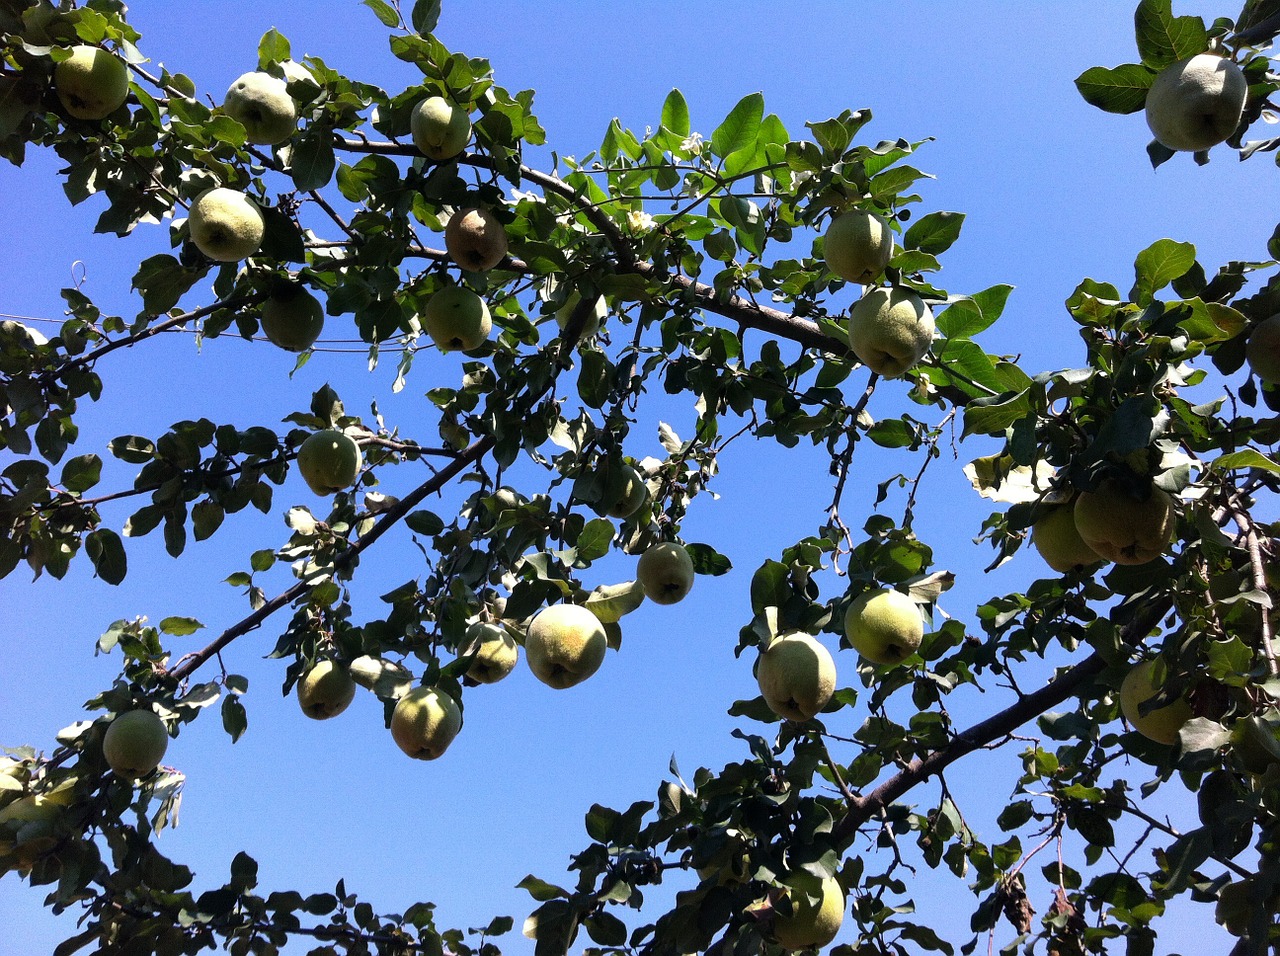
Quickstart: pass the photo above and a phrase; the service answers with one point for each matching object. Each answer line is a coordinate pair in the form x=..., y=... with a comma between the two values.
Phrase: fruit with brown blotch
x=475, y=239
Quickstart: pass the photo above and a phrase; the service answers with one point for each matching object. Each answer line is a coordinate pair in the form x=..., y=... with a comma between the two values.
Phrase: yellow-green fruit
x=261, y=104
x=890, y=330
x=439, y=129
x=91, y=83
x=625, y=492
x=329, y=461
x=226, y=225
x=1122, y=528
x=424, y=723
x=1196, y=103
x=599, y=310
x=817, y=910
x=565, y=645
x=858, y=245
x=475, y=239
x=292, y=318
x=495, y=653
x=1263, y=350
x=1163, y=723
x=1056, y=538
x=326, y=690
x=135, y=743
x=884, y=626
x=665, y=572
x=457, y=319
x=797, y=676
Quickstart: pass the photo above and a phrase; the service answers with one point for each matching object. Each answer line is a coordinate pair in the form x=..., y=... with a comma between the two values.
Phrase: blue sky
x=1054, y=191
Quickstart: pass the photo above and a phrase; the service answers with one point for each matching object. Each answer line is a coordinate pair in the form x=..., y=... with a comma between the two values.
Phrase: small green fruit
x=1057, y=539
x=326, y=690
x=439, y=129
x=884, y=626
x=890, y=330
x=457, y=319
x=495, y=653
x=1163, y=723
x=329, y=461
x=135, y=743
x=817, y=912
x=1196, y=103
x=796, y=675
x=226, y=225
x=92, y=83
x=858, y=245
x=625, y=492
x=425, y=721
x=565, y=645
x=261, y=104
x=665, y=572
x=292, y=318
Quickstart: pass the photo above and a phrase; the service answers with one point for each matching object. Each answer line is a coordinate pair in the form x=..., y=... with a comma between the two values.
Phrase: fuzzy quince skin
x=890, y=330
x=565, y=645
x=796, y=675
x=884, y=626
x=424, y=722
x=261, y=104
x=91, y=83
x=1123, y=528
x=665, y=572
x=1196, y=103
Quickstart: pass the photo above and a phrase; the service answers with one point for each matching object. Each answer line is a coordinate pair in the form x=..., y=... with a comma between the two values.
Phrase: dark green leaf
x=1119, y=90
x=383, y=11
x=425, y=16
x=934, y=233
x=106, y=551
x=81, y=473
x=424, y=522
x=311, y=158
x=1163, y=38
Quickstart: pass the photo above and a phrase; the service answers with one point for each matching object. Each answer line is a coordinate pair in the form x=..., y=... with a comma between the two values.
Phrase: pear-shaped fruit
x=92, y=83
x=1263, y=350
x=135, y=743
x=890, y=330
x=817, y=911
x=797, y=676
x=1123, y=528
x=424, y=722
x=495, y=652
x=1057, y=539
x=326, y=690
x=625, y=492
x=1196, y=103
x=225, y=224
x=292, y=318
x=329, y=461
x=457, y=319
x=439, y=129
x=884, y=626
x=858, y=245
x=475, y=239
x=1161, y=724
x=565, y=645
x=665, y=572
x=261, y=104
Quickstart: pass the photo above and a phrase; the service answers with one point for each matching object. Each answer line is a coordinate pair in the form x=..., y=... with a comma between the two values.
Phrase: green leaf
x=707, y=560
x=81, y=473
x=163, y=281
x=425, y=16
x=311, y=159
x=609, y=602
x=770, y=586
x=272, y=48
x=384, y=12
x=541, y=890
x=180, y=626
x=1163, y=38
x=281, y=237
x=605, y=929
x=106, y=551
x=965, y=318
x=1119, y=90
x=595, y=539
x=1158, y=265
x=675, y=114
x=934, y=233
x=206, y=518
x=1245, y=459
x=424, y=522
x=892, y=433
x=739, y=129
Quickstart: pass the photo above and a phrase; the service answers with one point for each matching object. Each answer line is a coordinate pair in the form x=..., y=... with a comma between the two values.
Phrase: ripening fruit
x=135, y=743
x=858, y=245
x=1196, y=103
x=225, y=224
x=495, y=652
x=457, y=319
x=439, y=129
x=329, y=461
x=424, y=722
x=665, y=572
x=92, y=83
x=1163, y=723
x=1263, y=350
x=1123, y=528
x=884, y=626
x=1058, y=540
x=797, y=676
x=261, y=104
x=326, y=690
x=475, y=239
x=817, y=911
x=565, y=645
x=292, y=318
x=890, y=330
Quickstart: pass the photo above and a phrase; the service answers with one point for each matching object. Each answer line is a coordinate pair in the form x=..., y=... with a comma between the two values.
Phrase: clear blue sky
x=1054, y=191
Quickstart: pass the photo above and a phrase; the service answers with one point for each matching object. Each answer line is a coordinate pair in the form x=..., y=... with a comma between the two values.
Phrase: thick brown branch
x=984, y=732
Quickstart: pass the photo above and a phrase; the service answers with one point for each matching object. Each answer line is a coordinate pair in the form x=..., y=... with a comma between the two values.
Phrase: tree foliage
x=644, y=268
